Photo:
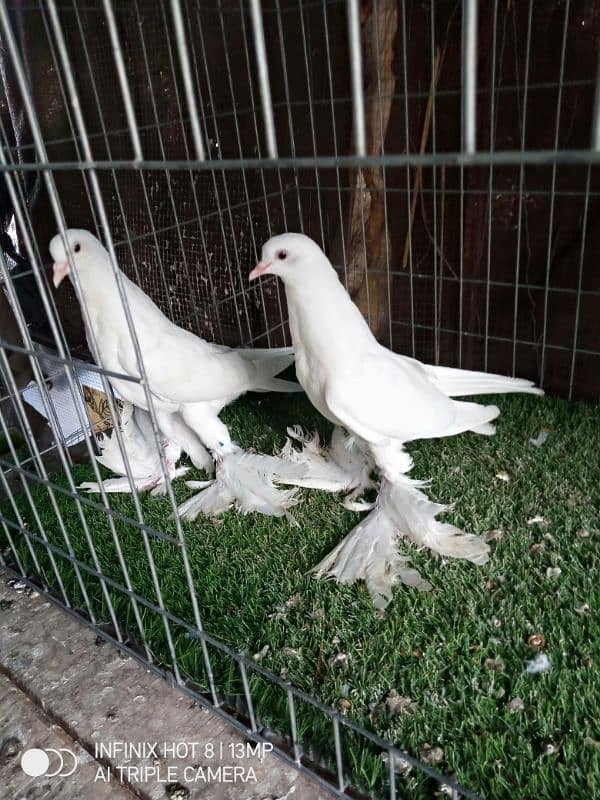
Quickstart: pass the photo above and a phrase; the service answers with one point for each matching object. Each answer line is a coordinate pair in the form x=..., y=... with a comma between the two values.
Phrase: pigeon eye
x=282, y=255
x=76, y=247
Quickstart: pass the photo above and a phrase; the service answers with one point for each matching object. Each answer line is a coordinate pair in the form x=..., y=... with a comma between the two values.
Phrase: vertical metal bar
x=553, y=192
x=328, y=57
x=580, y=280
x=6, y=529
x=184, y=62
x=107, y=388
x=366, y=285
x=469, y=131
x=31, y=443
x=596, y=114
x=263, y=185
x=24, y=331
x=461, y=266
x=72, y=91
x=469, y=75
x=169, y=489
x=521, y=182
x=76, y=145
x=294, y=726
x=122, y=76
x=248, y=696
x=18, y=403
x=356, y=73
x=434, y=182
x=105, y=136
x=88, y=155
x=87, y=150
x=306, y=53
x=11, y=544
x=288, y=104
x=193, y=295
x=57, y=210
x=227, y=209
x=241, y=275
x=4, y=368
x=263, y=76
x=392, y=764
x=408, y=184
x=490, y=198
x=23, y=223
x=339, y=759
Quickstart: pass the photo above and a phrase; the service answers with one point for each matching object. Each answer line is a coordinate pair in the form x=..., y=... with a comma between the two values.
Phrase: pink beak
x=60, y=269
x=260, y=269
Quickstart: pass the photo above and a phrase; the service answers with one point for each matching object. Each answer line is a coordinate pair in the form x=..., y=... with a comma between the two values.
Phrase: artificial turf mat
x=457, y=655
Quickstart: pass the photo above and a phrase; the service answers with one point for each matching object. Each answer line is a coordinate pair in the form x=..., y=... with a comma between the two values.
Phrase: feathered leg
x=174, y=427
x=246, y=481
x=370, y=551
x=345, y=466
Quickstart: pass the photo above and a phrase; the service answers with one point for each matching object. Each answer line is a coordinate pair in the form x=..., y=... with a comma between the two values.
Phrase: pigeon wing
x=386, y=397
x=181, y=367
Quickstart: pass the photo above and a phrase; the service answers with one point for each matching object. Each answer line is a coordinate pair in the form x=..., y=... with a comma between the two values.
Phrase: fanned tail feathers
x=414, y=516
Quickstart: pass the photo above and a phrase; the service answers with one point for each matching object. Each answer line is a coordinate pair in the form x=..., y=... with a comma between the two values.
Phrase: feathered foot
x=248, y=482
x=344, y=466
x=370, y=551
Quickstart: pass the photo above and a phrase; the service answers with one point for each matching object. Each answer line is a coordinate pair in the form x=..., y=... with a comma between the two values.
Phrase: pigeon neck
x=96, y=280
x=99, y=294
x=323, y=316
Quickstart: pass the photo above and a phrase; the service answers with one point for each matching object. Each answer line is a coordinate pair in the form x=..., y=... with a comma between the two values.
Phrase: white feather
x=346, y=465
x=247, y=482
x=459, y=382
x=156, y=486
x=370, y=551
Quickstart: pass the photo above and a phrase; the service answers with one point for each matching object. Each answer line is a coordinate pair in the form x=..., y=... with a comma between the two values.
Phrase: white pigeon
x=190, y=380
x=384, y=400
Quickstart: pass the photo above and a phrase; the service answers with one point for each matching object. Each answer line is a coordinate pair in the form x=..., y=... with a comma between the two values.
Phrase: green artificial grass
x=459, y=652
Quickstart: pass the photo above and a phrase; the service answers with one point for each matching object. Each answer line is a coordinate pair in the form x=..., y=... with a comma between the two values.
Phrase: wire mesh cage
x=443, y=154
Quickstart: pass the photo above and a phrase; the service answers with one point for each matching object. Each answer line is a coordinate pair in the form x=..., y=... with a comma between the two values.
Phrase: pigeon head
x=82, y=247
x=291, y=256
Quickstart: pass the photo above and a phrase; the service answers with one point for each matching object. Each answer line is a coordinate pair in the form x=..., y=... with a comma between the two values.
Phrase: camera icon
x=36, y=762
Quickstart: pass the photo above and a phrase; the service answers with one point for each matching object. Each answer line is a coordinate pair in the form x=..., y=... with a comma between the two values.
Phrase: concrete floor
x=62, y=691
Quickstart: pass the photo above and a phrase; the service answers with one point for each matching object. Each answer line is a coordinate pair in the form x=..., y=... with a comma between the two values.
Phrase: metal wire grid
x=299, y=185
